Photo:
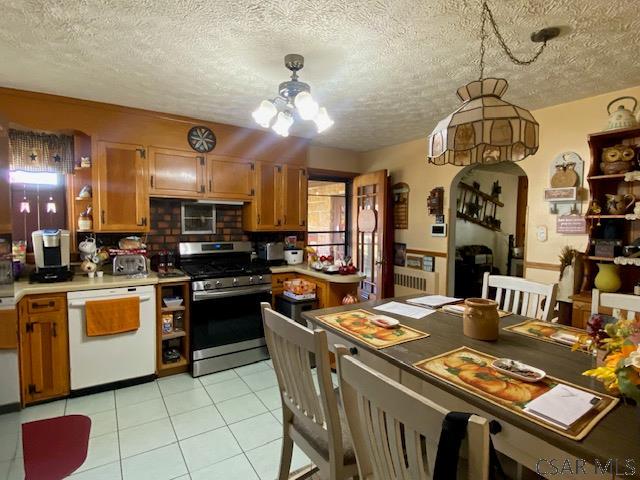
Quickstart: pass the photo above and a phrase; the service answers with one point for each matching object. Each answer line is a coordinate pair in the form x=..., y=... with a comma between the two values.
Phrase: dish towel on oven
x=107, y=317
x=454, y=429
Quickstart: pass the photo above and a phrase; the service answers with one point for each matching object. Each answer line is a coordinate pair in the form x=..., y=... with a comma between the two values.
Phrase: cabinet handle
x=285, y=219
x=279, y=222
x=49, y=304
x=140, y=223
x=353, y=351
x=303, y=222
x=144, y=220
x=258, y=219
x=210, y=185
x=102, y=217
x=55, y=329
x=201, y=188
x=151, y=181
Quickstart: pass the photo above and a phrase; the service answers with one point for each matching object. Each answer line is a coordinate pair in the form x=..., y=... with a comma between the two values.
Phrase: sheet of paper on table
x=562, y=405
x=433, y=301
x=404, y=309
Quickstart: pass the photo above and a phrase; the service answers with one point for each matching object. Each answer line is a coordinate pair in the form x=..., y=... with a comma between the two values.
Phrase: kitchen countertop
x=305, y=270
x=82, y=282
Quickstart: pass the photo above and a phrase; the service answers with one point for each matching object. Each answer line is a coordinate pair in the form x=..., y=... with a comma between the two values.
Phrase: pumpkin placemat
x=356, y=324
x=543, y=330
x=470, y=370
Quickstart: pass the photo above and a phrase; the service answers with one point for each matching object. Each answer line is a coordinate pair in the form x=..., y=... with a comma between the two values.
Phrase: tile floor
x=223, y=426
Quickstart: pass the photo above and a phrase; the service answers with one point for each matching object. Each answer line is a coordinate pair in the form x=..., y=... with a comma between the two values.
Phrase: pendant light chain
x=487, y=13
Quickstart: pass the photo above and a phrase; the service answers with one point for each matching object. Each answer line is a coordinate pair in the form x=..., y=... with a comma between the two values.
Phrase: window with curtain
x=37, y=202
x=327, y=217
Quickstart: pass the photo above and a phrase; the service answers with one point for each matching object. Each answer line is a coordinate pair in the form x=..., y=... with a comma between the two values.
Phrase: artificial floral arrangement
x=620, y=339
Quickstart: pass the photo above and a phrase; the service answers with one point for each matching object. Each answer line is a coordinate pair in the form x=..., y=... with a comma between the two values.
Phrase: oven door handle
x=232, y=292
x=81, y=303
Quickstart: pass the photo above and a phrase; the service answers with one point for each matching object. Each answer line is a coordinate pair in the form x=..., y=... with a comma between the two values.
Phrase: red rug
x=54, y=448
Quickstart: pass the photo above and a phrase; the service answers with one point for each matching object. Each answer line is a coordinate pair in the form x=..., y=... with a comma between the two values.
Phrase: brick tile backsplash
x=165, y=232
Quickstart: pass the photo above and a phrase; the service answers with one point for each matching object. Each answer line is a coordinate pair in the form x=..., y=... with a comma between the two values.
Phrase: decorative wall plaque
x=401, y=206
x=571, y=224
x=435, y=202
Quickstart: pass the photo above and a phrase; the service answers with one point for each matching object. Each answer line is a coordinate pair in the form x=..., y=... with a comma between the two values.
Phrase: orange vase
x=481, y=320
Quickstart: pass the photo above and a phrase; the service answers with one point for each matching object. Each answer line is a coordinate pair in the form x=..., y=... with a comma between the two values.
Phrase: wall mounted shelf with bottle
x=614, y=188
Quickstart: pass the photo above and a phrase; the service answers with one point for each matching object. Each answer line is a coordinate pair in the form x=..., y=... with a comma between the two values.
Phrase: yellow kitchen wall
x=563, y=128
x=328, y=158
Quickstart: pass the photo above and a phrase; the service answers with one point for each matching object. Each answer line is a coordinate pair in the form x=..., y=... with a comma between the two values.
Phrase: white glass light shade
x=306, y=105
x=25, y=206
x=322, y=119
x=284, y=120
x=264, y=113
x=51, y=206
x=484, y=129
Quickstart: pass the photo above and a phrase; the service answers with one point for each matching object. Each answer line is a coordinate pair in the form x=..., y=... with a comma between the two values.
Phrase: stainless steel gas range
x=226, y=291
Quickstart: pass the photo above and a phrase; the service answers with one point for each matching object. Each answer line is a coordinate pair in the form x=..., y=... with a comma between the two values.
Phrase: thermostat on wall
x=439, y=230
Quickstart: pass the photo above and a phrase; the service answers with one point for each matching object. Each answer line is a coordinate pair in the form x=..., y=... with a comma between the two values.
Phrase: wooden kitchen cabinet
x=176, y=173
x=294, y=198
x=581, y=311
x=280, y=203
x=121, y=188
x=8, y=329
x=44, y=347
x=230, y=178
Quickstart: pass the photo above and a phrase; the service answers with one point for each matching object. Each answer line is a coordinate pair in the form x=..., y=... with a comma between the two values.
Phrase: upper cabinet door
x=176, y=173
x=122, y=195
x=266, y=205
x=230, y=178
x=294, y=198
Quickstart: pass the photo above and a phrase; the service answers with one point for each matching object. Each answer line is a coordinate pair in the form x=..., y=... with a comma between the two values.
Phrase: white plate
x=540, y=374
x=384, y=321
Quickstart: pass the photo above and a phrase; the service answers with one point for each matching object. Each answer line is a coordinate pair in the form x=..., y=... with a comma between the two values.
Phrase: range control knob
x=235, y=281
x=218, y=283
x=207, y=286
x=260, y=278
x=250, y=279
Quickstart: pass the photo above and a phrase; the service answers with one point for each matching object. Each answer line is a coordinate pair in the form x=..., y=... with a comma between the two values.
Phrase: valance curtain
x=40, y=152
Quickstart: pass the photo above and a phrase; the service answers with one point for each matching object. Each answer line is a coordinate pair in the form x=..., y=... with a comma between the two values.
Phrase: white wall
x=468, y=233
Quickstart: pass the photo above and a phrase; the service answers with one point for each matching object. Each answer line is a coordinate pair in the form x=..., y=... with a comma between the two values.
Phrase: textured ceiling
x=386, y=70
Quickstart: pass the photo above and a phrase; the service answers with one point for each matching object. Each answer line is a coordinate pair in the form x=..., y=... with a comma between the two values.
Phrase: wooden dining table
x=615, y=439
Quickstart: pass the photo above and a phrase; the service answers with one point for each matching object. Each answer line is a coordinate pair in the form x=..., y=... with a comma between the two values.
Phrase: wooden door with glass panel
x=368, y=227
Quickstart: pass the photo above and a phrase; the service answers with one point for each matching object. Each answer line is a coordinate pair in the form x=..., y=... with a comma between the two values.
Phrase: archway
x=475, y=219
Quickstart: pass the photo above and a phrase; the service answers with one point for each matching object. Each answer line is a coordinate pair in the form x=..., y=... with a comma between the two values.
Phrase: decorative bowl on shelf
x=172, y=301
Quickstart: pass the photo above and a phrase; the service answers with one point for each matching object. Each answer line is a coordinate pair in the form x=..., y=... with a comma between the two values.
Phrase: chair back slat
x=522, y=297
x=624, y=306
x=289, y=346
x=395, y=431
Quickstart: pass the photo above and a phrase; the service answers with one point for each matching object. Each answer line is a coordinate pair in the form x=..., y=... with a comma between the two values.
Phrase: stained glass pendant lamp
x=487, y=128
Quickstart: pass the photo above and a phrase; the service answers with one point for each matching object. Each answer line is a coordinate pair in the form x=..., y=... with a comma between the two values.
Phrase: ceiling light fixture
x=486, y=128
x=294, y=101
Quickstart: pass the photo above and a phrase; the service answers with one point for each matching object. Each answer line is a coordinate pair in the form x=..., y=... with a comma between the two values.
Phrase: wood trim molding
x=321, y=172
x=542, y=266
x=429, y=253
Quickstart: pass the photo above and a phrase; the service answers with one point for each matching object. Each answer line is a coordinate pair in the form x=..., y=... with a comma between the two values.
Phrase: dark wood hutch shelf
x=599, y=185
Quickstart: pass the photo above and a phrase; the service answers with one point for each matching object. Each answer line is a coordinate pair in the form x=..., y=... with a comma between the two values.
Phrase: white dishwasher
x=111, y=358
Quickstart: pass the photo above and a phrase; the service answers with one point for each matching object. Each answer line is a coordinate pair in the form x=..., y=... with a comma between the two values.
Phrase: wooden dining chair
x=316, y=423
x=619, y=302
x=522, y=297
x=396, y=431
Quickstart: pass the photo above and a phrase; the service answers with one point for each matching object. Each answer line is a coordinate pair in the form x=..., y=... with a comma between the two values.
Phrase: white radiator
x=408, y=281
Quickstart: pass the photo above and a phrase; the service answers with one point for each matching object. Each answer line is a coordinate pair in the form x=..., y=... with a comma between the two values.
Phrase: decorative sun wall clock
x=202, y=139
